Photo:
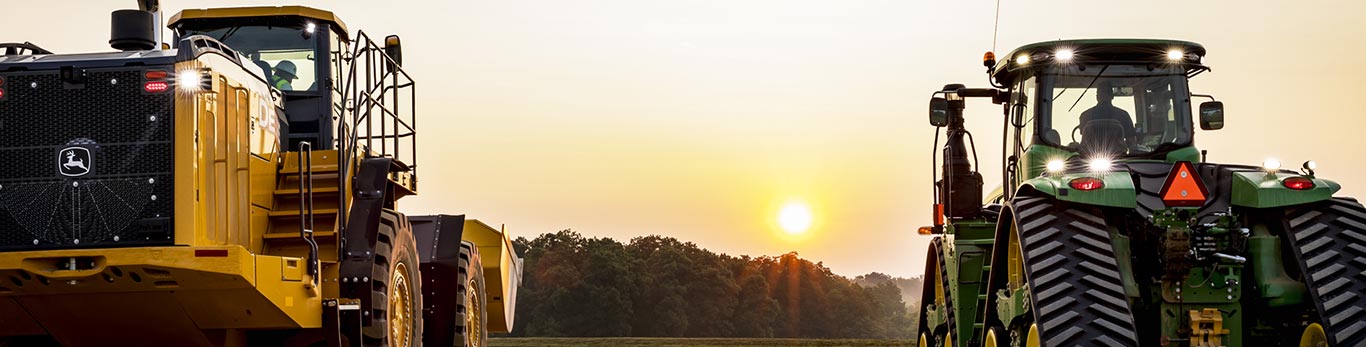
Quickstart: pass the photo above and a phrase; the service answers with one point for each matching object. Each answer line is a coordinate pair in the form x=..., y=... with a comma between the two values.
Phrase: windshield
x=283, y=53
x=1114, y=110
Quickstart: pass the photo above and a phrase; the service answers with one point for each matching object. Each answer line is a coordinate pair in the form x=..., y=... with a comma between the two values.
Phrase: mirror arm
x=1210, y=97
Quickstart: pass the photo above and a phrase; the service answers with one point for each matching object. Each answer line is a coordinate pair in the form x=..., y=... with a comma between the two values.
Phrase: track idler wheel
x=1314, y=336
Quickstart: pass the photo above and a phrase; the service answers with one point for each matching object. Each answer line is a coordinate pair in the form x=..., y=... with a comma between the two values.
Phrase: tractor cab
x=1104, y=100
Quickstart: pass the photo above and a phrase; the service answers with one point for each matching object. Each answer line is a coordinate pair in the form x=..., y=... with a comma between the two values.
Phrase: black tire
x=1329, y=242
x=395, y=251
x=472, y=271
x=1076, y=293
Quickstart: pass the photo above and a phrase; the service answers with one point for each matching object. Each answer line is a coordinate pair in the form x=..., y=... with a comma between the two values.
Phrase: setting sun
x=795, y=218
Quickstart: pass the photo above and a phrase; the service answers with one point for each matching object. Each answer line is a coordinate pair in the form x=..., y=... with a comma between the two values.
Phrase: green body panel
x=1190, y=154
x=967, y=254
x=1263, y=190
x=1118, y=190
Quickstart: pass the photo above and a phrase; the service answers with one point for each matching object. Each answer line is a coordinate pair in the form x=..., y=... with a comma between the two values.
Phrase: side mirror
x=939, y=112
x=1211, y=115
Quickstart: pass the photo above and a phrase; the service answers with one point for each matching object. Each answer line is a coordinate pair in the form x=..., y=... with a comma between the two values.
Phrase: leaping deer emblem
x=72, y=162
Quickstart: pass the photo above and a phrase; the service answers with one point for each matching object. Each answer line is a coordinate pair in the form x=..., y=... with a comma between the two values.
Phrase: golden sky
x=698, y=119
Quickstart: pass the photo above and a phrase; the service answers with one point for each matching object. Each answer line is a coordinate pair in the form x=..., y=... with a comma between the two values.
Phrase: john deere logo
x=74, y=161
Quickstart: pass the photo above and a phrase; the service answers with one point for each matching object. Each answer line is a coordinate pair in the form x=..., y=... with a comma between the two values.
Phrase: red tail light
x=1087, y=183
x=1298, y=183
x=154, y=74
x=2, y=81
x=2, y=93
x=156, y=86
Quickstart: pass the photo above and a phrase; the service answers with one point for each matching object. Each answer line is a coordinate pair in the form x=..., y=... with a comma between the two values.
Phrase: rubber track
x=1329, y=239
x=1075, y=287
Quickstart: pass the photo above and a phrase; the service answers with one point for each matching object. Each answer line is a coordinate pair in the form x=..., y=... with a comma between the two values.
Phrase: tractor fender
x=1118, y=190
x=1259, y=189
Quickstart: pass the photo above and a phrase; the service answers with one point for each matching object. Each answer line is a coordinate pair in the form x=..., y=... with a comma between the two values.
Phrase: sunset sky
x=701, y=119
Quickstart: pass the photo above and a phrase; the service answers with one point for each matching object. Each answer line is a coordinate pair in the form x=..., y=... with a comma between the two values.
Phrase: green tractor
x=1113, y=230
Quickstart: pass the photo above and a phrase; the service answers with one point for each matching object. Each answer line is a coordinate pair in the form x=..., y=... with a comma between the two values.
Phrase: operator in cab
x=285, y=74
x=1105, y=127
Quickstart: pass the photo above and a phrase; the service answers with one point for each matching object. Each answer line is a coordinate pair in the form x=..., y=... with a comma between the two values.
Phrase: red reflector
x=1087, y=183
x=2, y=81
x=1183, y=187
x=2, y=92
x=1298, y=183
x=154, y=74
x=156, y=87
x=210, y=252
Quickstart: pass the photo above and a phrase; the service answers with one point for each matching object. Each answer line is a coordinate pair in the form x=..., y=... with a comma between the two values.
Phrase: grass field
x=672, y=342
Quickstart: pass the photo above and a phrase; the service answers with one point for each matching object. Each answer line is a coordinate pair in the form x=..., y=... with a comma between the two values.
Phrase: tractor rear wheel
x=1329, y=242
x=395, y=288
x=1076, y=293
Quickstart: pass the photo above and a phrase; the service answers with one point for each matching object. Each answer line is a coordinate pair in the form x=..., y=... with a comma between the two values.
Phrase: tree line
x=657, y=286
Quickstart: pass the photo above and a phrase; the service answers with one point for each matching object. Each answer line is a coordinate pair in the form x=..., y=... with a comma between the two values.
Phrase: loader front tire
x=395, y=286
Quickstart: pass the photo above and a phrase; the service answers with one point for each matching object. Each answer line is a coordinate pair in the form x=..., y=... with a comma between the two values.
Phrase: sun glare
x=795, y=218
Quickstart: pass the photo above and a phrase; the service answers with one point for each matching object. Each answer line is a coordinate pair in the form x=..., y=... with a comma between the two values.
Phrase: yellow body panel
x=502, y=272
x=173, y=293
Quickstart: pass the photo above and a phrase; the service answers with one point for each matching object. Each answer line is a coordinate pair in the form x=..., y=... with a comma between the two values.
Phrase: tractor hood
x=1137, y=185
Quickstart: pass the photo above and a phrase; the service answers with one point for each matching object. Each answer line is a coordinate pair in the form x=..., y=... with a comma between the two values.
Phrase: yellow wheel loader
x=237, y=186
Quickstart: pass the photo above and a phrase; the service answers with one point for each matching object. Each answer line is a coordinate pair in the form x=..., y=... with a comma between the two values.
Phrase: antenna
x=996, y=25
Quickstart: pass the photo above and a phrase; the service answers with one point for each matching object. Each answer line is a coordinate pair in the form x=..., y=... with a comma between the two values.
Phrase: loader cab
x=298, y=50
x=1087, y=100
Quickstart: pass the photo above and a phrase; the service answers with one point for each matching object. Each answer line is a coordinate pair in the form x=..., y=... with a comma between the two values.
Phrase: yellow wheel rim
x=400, y=307
x=1032, y=338
x=924, y=341
x=474, y=329
x=1313, y=336
x=991, y=338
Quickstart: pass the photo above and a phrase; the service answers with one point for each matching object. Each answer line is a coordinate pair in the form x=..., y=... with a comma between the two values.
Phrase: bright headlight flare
x=310, y=27
x=1311, y=165
x=1175, y=54
x=188, y=80
x=1063, y=55
x=1271, y=165
x=1022, y=59
x=1055, y=166
x=1100, y=165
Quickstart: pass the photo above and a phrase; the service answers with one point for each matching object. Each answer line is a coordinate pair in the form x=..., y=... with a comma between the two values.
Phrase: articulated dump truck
x=237, y=186
x=1114, y=230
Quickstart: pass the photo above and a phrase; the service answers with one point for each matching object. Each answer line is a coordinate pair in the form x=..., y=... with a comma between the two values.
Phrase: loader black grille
x=85, y=164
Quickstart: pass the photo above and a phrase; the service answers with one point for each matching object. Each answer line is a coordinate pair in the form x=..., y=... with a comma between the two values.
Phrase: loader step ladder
x=304, y=217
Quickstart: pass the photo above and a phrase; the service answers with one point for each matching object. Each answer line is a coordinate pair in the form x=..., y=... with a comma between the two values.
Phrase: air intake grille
x=85, y=165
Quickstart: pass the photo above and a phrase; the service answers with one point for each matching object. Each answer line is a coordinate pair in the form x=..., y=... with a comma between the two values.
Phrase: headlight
x=1271, y=165
x=188, y=80
x=1055, y=166
x=1100, y=165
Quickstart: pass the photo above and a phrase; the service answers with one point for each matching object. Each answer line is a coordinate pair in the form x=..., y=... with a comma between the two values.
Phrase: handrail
x=306, y=226
x=373, y=89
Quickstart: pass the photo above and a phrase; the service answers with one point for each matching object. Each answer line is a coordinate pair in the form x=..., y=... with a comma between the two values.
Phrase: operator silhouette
x=1105, y=129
